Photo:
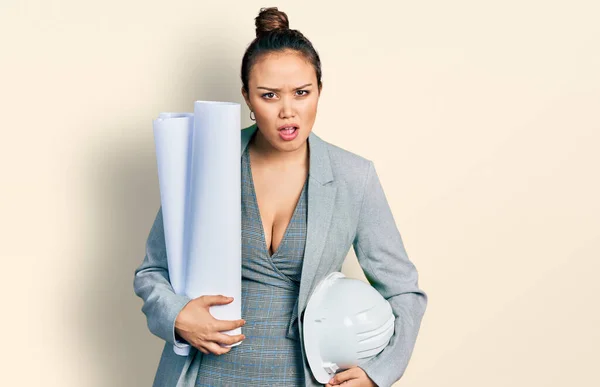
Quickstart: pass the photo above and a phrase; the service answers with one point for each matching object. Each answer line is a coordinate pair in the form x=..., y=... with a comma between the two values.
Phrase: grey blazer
x=346, y=207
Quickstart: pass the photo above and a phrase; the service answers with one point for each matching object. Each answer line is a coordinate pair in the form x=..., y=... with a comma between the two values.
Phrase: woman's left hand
x=352, y=377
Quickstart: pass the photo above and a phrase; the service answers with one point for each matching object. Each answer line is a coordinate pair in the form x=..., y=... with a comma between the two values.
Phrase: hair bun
x=270, y=19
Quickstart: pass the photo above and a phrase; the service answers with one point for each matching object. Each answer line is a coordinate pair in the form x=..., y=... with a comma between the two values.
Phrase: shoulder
x=347, y=166
x=246, y=132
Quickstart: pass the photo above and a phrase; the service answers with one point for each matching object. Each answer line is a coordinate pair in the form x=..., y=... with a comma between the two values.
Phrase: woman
x=305, y=202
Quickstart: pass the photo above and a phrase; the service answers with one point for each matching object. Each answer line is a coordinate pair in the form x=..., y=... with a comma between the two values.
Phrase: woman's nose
x=287, y=109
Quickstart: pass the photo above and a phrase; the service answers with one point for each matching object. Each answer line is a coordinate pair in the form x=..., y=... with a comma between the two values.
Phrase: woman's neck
x=265, y=152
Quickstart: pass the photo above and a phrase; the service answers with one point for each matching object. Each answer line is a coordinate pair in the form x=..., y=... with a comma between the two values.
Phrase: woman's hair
x=273, y=34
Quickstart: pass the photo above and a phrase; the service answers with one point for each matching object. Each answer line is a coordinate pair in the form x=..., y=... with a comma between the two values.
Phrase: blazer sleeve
x=152, y=284
x=382, y=256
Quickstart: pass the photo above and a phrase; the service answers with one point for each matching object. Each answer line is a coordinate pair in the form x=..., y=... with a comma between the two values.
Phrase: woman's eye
x=266, y=95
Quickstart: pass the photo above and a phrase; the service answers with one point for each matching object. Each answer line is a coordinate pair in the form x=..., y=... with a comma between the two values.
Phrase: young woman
x=305, y=202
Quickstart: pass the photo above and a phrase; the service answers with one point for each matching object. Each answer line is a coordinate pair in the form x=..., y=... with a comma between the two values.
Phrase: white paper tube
x=198, y=158
x=172, y=138
x=213, y=222
x=172, y=135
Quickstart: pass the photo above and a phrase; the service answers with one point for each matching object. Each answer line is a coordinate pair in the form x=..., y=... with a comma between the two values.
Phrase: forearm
x=161, y=304
x=151, y=283
x=390, y=364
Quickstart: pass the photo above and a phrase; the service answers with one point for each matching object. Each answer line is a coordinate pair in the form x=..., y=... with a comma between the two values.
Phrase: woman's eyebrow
x=274, y=89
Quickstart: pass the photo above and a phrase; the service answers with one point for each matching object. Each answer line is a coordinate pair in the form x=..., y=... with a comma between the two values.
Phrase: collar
x=320, y=164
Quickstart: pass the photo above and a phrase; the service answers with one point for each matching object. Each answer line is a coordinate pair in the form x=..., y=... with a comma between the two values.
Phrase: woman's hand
x=197, y=326
x=352, y=377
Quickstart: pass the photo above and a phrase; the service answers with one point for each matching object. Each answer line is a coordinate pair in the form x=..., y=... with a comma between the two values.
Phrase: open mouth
x=289, y=130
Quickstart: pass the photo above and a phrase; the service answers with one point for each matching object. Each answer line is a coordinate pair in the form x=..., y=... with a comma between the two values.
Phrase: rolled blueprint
x=173, y=141
x=214, y=219
x=198, y=159
x=172, y=136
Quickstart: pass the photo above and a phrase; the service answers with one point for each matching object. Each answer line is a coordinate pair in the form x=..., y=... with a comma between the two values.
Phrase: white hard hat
x=346, y=321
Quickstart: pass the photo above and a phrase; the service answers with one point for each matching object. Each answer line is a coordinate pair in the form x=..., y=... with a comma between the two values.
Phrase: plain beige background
x=482, y=118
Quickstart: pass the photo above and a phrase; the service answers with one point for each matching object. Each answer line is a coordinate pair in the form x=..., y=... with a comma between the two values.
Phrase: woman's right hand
x=197, y=326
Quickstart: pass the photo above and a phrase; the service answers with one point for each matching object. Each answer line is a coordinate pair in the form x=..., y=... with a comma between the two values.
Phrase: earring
x=253, y=119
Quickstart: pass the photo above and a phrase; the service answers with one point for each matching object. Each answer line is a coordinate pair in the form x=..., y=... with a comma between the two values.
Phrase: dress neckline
x=255, y=204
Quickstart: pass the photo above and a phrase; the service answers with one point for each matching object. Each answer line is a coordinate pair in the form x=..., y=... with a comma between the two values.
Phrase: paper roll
x=173, y=140
x=214, y=217
x=172, y=137
x=198, y=156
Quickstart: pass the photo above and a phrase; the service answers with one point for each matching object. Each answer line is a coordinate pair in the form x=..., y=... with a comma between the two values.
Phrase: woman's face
x=283, y=91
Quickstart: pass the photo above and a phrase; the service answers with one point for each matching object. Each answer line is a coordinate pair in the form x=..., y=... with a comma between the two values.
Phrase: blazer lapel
x=321, y=199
